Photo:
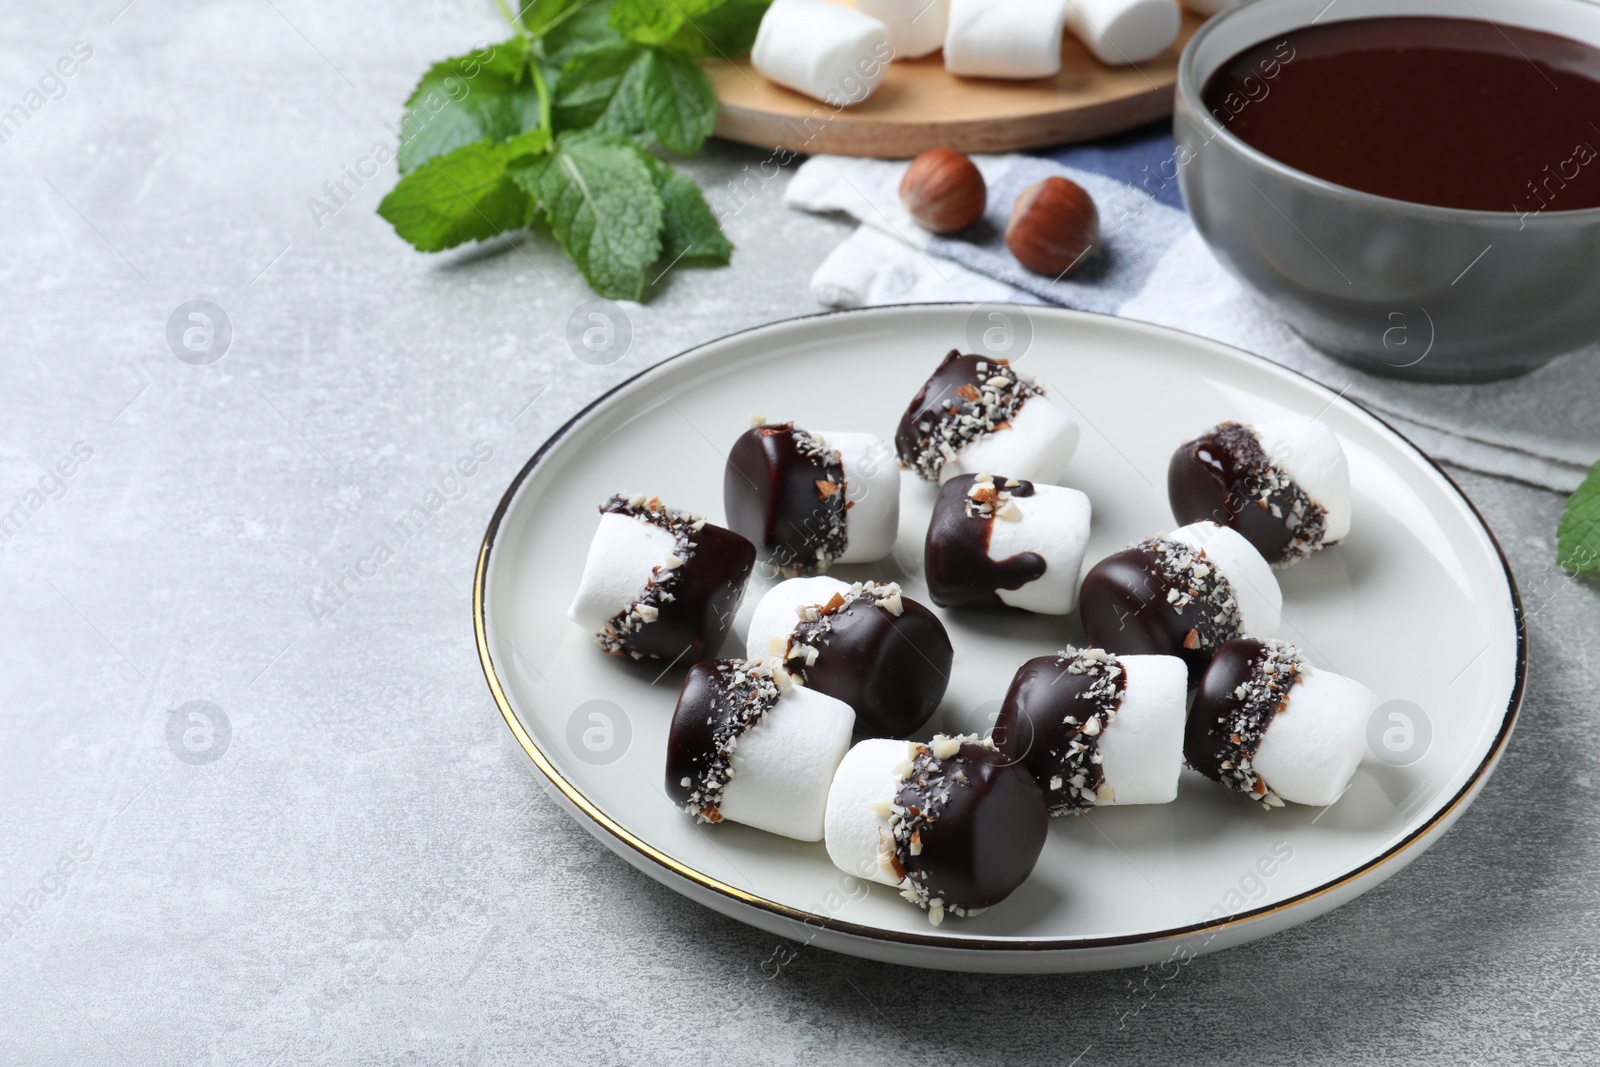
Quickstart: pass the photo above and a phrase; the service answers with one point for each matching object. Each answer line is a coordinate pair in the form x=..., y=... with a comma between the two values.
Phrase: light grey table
x=358, y=865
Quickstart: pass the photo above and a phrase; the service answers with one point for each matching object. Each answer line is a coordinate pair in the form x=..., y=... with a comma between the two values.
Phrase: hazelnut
x=1054, y=227
x=943, y=191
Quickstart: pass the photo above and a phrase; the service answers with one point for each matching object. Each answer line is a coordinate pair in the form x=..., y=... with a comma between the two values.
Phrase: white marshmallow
x=828, y=52
x=1141, y=752
x=1004, y=38
x=1036, y=447
x=1310, y=453
x=916, y=27
x=872, y=491
x=1123, y=32
x=622, y=557
x=783, y=765
x=777, y=613
x=1254, y=585
x=1311, y=749
x=1054, y=525
x=855, y=833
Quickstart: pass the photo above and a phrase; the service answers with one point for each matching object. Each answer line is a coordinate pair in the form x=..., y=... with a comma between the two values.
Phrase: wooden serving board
x=920, y=106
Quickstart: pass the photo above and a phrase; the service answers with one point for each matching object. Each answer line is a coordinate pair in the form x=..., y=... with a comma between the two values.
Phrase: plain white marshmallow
x=1254, y=585
x=1004, y=38
x=1141, y=752
x=872, y=493
x=1311, y=749
x=1055, y=526
x=857, y=821
x=830, y=53
x=1124, y=32
x=783, y=766
x=916, y=27
x=1310, y=453
x=778, y=611
x=1036, y=446
x=623, y=556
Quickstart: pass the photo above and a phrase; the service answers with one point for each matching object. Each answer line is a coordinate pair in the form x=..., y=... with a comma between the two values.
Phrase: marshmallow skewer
x=1003, y=541
x=1268, y=724
x=1284, y=486
x=660, y=582
x=1004, y=38
x=916, y=27
x=809, y=500
x=882, y=653
x=747, y=745
x=1123, y=32
x=1182, y=594
x=976, y=414
x=953, y=824
x=1093, y=728
x=828, y=52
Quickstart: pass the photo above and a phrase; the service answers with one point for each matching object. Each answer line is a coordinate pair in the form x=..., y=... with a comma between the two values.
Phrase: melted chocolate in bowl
x=1453, y=112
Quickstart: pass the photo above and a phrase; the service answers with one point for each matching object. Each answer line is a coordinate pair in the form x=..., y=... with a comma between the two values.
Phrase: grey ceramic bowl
x=1402, y=289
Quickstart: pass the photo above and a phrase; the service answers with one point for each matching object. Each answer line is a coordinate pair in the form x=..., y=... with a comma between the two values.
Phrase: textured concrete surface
x=345, y=858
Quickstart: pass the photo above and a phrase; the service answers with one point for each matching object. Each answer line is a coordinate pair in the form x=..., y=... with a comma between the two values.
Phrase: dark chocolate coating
x=928, y=405
x=988, y=835
x=771, y=496
x=1124, y=608
x=706, y=592
x=892, y=669
x=690, y=740
x=1031, y=729
x=1203, y=741
x=956, y=552
x=1219, y=476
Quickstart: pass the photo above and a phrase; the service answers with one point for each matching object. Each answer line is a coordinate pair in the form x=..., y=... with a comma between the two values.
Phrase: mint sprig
x=562, y=123
x=1578, y=535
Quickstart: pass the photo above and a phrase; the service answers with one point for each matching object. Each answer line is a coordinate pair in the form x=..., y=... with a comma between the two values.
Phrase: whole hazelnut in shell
x=1054, y=227
x=944, y=191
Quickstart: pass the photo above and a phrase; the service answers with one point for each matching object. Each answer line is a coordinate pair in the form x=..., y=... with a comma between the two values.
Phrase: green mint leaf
x=464, y=100
x=702, y=28
x=723, y=30
x=690, y=232
x=678, y=100
x=537, y=16
x=602, y=87
x=586, y=27
x=603, y=208
x=463, y=196
x=1578, y=536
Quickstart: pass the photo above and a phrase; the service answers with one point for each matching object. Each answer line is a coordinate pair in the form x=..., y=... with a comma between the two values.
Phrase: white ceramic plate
x=1417, y=603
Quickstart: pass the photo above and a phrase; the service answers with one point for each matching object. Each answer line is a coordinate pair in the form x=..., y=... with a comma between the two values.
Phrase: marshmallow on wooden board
x=746, y=745
x=828, y=52
x=1284, y=486
x=916, y=27
x=810, y=499
x=882, y=653
x=1123, y=32
x=1181, y=594
x=1095, y=729
x=1003, y=541
x=1267, y=723
x=1004, y=38
x=975, y=414
x=953, y=824
x=660, y=582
